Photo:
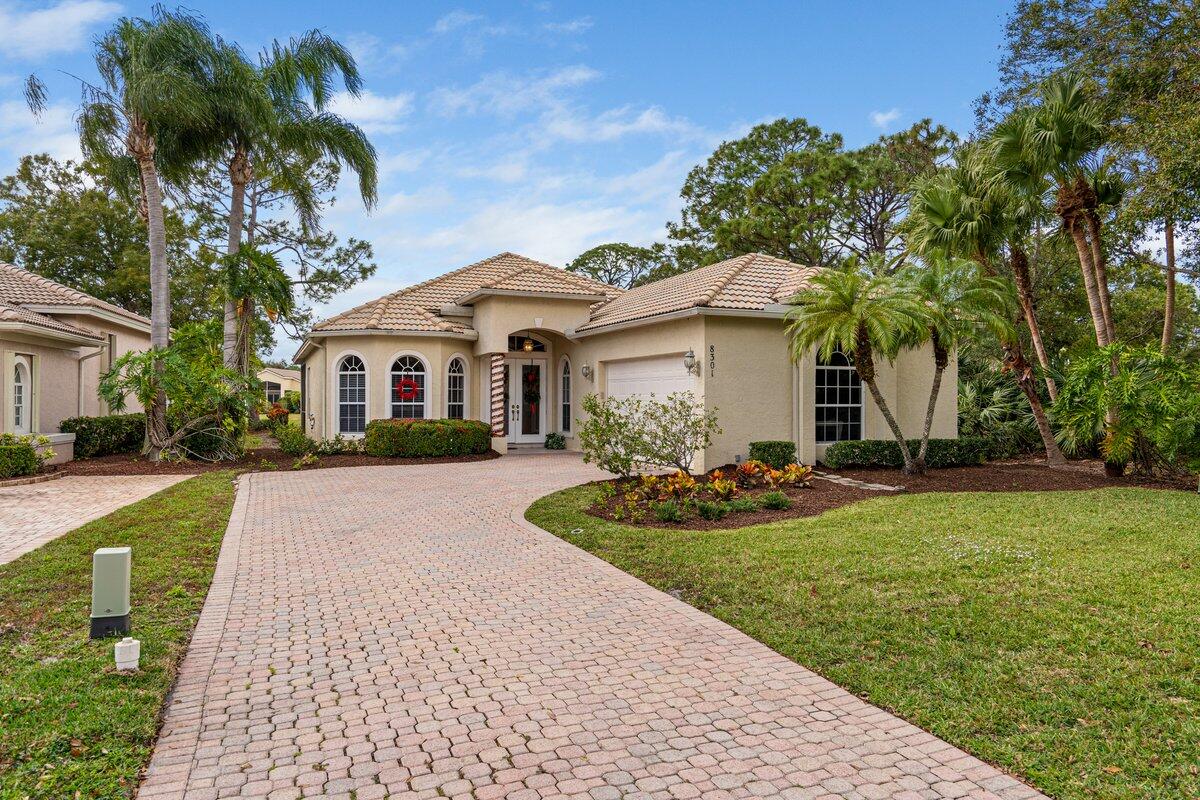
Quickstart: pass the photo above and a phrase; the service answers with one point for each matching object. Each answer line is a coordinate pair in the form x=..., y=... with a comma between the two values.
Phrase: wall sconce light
x=689, y=362
x=527, y=345
x=586, y=370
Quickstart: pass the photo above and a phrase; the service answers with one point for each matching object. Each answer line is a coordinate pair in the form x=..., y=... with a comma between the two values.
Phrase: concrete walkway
x=400, y=632
x=36, y=513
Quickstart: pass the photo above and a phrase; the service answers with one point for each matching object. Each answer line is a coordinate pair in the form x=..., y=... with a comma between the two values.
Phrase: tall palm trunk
x=1020, y=268
x=1100, y=262
x=141, y=147
x=1022, y=372
x=864, y=364
x=1168, y=332
x=1088, y=270
x=239, y=177
x=941, y=357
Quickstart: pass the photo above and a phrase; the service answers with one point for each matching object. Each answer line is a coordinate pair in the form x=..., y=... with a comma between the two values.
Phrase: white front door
x=525, y=400
x=22, y=390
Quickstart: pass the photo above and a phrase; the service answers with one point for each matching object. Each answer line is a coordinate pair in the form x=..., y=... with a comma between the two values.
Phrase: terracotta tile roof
x=11, y=313
x=750, y=282
x=418, y=308
x=19, y=287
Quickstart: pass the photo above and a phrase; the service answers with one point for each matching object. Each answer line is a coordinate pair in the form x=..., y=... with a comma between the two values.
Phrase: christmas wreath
x=407, y=389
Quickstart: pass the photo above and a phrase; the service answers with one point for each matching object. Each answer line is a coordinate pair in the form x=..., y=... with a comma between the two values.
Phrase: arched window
x=839, y=399
x=456, y=389
x=21, y=392
x=352, y=395
x=565, y=389
x=408, y=388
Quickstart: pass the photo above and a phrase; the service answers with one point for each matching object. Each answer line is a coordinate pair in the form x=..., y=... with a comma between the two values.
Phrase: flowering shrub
x=277, y=414
x=620, y=434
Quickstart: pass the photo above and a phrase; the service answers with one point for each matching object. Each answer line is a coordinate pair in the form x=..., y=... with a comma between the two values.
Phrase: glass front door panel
x=531, y=399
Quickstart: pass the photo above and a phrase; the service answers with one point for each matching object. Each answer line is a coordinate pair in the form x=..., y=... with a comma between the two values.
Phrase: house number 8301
x=712, y=360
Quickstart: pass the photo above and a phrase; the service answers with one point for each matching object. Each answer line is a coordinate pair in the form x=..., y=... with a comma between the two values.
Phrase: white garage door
x=660, y=376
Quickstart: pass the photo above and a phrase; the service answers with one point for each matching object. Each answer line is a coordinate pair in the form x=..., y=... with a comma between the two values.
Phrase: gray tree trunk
x=877, y=396
x=230, y=352
x=1088, y=269
x=160, y=295
x=938, y=369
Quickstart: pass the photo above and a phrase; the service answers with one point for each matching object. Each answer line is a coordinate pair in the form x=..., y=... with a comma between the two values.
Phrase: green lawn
x=70, y=727
x=1056, y=635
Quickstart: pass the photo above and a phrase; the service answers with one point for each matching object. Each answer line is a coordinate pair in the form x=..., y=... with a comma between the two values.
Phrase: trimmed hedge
x=103, y=436
x=18, y=460
x=778, y=454
x=886, y=453
x=427, y=438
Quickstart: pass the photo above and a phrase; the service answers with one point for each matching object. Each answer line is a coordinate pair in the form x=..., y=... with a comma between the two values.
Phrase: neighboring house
x=55, y=342
x=518, y=343
x=277, y=382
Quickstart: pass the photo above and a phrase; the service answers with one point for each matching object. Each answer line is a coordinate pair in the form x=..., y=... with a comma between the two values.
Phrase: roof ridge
x=735, y=269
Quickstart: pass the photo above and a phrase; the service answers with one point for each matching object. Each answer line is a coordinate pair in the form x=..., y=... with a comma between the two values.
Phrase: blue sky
x=549, y=127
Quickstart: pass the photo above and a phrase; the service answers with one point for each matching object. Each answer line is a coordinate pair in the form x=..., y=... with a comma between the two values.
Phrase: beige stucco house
x=277, y=381
x=518, y=343
x=55, y=342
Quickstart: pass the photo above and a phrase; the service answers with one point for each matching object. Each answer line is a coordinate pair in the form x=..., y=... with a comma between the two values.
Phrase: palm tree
x=152, y=92
x=274, y=118
x=965, y=211
x=862, y=316
x=957, y=303
x=1057, y=141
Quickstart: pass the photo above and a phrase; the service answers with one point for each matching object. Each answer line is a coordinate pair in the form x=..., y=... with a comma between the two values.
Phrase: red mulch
x=823, y=495
x=260, y=460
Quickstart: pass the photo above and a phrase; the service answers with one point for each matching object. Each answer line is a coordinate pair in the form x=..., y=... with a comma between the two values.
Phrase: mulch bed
x=260, y=460
x=824, y=495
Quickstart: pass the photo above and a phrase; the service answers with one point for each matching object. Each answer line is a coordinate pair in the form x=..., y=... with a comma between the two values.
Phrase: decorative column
x=498, y=409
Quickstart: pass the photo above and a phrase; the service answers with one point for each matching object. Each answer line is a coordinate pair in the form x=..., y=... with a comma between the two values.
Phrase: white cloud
x=884, y=119
x=53, y=132
x=615, y=124
x=424, y=199
x=505, y=94
x=374, y=113
x=60, y=28
x=454, y=20
x=573, y=26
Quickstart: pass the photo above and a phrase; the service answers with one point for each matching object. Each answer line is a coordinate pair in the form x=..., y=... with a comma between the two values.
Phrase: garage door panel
x=660, y=376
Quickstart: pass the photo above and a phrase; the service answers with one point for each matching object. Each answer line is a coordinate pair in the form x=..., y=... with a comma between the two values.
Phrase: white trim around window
x=464, y=390
x=426, y=386
x=566, y=397
x=335, y=406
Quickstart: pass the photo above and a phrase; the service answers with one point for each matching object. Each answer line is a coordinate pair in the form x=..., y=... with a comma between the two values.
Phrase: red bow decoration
x=407, y=389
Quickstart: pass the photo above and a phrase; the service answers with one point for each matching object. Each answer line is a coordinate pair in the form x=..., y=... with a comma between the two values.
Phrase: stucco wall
x=55, y=383
x=497, y=317
x=124, y=340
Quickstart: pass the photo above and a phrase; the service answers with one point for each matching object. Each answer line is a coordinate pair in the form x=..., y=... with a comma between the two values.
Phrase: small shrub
x=743, y=504
x=103, y=436
x=277, y=415
x=291, y=401
x=681, y=485
x=776, y=501
x=555, y=441
x=620, y=434
x=710, y=510
x=667, y=511
x=960, y=452
x=293, y=442
x=751, y=473
x=795, y=475
x=22, y=455
x=338, y=445
x=723, y=488
x=427, y=438
x=776, y=454
x=306, y=460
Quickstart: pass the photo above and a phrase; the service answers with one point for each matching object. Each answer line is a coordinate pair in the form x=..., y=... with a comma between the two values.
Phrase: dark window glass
x=838, y=399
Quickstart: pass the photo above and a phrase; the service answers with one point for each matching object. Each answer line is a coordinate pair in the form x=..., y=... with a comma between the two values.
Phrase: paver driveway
x=397, y=631
x=36, y=513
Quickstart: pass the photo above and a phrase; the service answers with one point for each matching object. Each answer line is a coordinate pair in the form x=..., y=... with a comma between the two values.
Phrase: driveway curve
x=400, y=631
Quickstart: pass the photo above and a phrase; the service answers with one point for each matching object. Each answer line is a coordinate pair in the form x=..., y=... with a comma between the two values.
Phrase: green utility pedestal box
x=110, y=591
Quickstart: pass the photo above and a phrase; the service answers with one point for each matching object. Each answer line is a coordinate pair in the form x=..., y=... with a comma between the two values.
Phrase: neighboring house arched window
x=22, y=390
x=456, y=389
x=408, y=388
x=839, y=399
x=565, y=390
x=352, y=395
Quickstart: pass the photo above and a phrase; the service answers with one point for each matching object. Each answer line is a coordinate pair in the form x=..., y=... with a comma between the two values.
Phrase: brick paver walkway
x=400, y=631
x=36, y=513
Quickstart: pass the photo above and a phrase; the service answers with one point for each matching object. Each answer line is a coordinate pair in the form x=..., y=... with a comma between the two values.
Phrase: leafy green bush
x=555, y=441
x=103, y=436
x=18, y=457
x=293, y=442
x=743, y=504
x=622, y=433
x=427, y=438
x=886, y=453
x=291, y=401
x=778, y=501
x=776, y=453
x=711, y=510
x=667, y=511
